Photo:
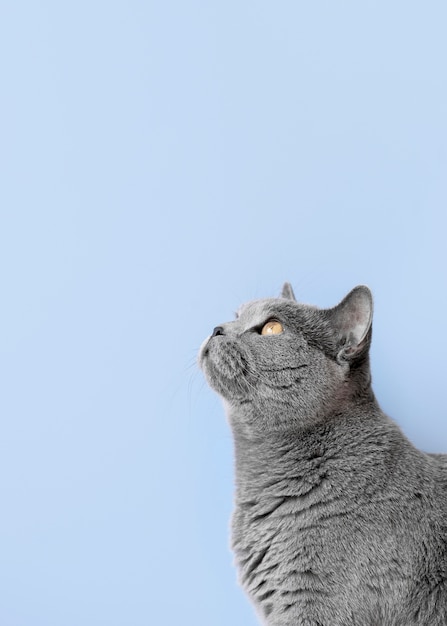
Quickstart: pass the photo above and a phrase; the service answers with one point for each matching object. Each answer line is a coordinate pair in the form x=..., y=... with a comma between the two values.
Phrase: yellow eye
x=272, y=327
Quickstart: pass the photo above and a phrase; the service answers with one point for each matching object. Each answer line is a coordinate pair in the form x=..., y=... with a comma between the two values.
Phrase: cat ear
x=352, y=320
x=287, y=292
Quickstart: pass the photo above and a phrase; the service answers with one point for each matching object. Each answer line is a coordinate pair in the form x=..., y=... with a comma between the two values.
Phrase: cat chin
x=227, y=405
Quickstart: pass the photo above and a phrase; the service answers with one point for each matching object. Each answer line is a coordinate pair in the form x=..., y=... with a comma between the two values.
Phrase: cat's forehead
x=259, y=309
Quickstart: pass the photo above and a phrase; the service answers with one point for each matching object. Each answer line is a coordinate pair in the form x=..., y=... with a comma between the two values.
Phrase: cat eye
x=272, y=327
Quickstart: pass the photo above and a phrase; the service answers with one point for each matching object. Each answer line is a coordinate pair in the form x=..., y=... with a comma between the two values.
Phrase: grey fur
x=339, y=519
x=287, y=292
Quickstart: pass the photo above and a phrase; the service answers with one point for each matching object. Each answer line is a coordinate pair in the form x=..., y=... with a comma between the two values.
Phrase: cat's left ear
x=352, y=320
x=287, y=292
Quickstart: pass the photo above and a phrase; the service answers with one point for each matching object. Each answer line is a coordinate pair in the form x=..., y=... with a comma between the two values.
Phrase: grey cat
x=339, y=519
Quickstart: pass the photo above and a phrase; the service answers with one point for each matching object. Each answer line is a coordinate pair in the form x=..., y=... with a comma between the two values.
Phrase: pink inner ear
x=354, y=314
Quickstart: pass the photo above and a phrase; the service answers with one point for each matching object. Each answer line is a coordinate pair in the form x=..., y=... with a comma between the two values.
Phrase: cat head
x=281, y=364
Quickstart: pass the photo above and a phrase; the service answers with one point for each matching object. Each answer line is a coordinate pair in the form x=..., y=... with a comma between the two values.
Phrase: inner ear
x=352, y=320
x=287, y=292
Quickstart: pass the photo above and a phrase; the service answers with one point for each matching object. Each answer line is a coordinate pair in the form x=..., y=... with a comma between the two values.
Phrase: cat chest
x=283, y=554
x=321, y=556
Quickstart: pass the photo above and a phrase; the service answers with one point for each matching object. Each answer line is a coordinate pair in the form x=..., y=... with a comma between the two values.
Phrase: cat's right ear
x=352, y=320
x=287, y=292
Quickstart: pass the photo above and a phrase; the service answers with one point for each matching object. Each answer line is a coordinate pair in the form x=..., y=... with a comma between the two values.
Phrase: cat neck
x=268, y=460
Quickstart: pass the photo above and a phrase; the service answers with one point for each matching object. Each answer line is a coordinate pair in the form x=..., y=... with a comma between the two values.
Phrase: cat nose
x=218, y=331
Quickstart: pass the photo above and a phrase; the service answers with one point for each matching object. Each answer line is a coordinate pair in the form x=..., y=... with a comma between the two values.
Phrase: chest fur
x=284, y=551
x=323, y=556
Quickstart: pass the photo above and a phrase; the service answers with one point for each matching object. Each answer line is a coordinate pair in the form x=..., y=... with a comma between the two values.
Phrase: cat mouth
x=204, y=351
x=226, y=369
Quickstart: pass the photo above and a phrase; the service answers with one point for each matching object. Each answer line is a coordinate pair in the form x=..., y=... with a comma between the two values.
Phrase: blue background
x=161, y=163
